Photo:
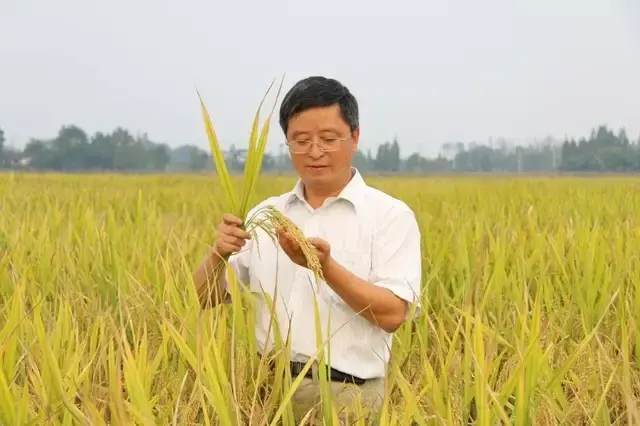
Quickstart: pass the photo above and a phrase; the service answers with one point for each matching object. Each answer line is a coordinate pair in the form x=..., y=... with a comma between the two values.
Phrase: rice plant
x=530, y=305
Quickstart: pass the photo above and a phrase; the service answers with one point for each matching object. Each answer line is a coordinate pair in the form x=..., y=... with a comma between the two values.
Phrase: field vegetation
x=531, y=305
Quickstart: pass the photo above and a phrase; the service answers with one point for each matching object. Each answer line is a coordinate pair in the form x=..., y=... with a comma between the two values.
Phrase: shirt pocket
x=357, y=260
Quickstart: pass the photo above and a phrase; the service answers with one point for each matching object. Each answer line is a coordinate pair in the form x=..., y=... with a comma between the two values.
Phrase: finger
x=230, y=219
x=319, y=244
x=313, y=241
x=234, y=231
x=231, y=239
x=280, y=234
x=238, y=232
x=237, y=244
x=282, y=240
x=285, y=243
x=226, y=248
x=293, y=244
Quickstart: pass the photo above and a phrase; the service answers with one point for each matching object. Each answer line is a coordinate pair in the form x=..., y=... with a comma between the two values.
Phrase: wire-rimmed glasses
x=325, y=144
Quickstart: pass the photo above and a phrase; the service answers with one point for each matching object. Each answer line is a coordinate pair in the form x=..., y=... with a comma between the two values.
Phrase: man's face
x=312, y=129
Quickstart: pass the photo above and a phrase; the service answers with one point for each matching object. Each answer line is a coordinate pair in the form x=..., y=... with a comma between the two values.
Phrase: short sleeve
x=396, y=256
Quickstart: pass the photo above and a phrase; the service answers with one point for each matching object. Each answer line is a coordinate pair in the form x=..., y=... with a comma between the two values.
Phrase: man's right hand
x=231, y=237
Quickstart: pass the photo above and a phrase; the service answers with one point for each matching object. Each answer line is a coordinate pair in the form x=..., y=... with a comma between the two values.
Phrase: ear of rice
x=270, y=219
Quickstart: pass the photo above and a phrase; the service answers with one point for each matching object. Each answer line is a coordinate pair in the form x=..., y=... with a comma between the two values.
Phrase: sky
x=423, y=71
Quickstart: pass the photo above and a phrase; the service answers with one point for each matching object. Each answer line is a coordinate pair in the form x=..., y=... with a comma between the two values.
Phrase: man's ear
x=355, y=137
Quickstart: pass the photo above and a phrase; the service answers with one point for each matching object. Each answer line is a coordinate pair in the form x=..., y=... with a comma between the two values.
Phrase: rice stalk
x=274, y=220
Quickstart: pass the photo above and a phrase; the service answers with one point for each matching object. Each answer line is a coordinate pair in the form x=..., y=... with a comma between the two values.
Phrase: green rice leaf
x=253, y=143
x=229, y=203
x=256, y=155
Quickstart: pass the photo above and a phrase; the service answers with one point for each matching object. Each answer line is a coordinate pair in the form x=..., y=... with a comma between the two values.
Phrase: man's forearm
x=210, y=289
x=377, y=304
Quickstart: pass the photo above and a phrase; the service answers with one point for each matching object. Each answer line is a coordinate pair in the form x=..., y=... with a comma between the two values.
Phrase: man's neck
x=316, y=195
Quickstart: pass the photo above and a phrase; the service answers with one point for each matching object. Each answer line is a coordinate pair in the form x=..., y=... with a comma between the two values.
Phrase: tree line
x=74, y=150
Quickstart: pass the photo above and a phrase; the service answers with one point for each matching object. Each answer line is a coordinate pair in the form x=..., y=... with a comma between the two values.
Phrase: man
x=368, y=244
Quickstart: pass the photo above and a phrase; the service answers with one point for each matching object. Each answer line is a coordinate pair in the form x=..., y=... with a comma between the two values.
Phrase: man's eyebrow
x=299, y=132
x=329, y=129
x=323, y=130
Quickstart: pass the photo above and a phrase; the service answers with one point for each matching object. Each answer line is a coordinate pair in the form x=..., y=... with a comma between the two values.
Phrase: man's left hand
x=293, y=250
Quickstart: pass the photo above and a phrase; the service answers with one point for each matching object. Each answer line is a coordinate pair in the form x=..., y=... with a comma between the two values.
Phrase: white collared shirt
x=373, y=235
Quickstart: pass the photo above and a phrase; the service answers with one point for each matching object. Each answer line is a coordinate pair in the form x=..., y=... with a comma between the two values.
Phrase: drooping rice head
x=270, y=220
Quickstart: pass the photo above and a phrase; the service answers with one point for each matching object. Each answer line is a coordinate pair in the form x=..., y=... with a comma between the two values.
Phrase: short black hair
x=315, y=91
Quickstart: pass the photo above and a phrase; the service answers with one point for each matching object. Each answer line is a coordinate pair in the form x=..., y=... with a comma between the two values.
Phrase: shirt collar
x=353, y=192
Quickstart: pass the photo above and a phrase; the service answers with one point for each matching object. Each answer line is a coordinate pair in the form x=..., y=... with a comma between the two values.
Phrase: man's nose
x=315, y=152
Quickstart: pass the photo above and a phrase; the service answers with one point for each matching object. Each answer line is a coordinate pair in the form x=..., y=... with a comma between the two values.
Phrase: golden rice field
x=531, y=301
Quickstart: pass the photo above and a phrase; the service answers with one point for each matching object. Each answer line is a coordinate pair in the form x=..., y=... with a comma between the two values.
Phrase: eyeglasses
x=325, y=144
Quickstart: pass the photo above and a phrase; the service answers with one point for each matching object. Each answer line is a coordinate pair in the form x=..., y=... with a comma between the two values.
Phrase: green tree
x=361, y=162
x=394, y=157
x=2, y=153
x=382, y=158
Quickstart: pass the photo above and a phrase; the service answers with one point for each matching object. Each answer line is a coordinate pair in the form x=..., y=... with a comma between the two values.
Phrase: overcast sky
x=427, y=71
